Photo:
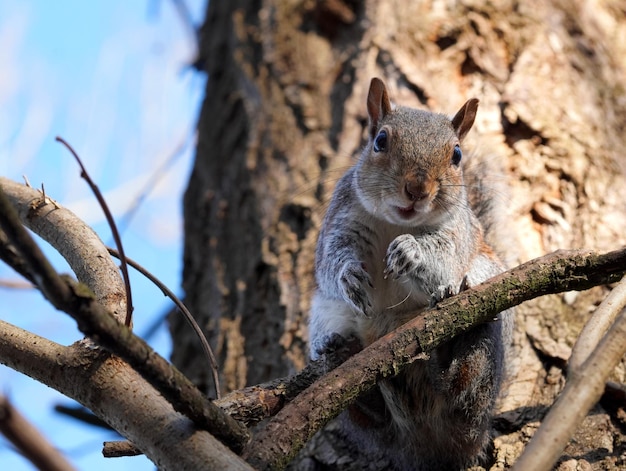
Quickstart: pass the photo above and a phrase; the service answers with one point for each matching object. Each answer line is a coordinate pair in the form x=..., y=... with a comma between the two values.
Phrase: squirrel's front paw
x=446, y=291
x=355, y=284
x=335, y=349
x=403, y=256
x=442, y=292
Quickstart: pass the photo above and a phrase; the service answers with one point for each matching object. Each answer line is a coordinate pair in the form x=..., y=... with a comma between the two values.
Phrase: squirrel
x=401, y=233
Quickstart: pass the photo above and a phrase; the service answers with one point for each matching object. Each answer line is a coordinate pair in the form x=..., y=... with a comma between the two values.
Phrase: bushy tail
x=489, y=196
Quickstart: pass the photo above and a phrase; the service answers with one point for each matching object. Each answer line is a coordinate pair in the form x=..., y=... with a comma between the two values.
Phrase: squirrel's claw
x=354, y=283
x=447, y=291
x=403, y=256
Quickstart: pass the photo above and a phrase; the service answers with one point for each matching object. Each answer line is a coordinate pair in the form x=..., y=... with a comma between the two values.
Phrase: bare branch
x=170, y=382
x=156, y=176
x=255, y=403
x=111, y=221
x=96, y=322
x=29, y=441
x=584, y=387
x=82, y=414
x=186, y=19
x=114, y=391
x=286, y=433
x=595, y=328
x=119, y=449
x=249, y=405
x=188, y=317
x=72, y=238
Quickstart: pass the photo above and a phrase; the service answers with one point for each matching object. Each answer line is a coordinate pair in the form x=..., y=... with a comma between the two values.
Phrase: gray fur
x=400, y=230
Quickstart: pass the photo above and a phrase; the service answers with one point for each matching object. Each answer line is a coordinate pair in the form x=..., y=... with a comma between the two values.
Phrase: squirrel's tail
x=488, y=192
x=489, y=197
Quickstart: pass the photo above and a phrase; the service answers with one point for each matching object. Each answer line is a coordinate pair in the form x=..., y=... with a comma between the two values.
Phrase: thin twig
x=114, y=231
x=15, y=284
x=187, y=20
x=186, y=314
x=119, y=449
x=83, y=415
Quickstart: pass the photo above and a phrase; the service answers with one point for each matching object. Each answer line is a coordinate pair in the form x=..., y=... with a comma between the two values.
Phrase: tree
x=283, y=115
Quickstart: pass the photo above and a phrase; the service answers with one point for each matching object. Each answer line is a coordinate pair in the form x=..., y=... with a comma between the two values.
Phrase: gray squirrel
x=402, y=231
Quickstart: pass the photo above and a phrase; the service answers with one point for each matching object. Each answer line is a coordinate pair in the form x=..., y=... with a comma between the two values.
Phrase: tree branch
x=248, y=405
x=595, y=328
x=255, y=403
x=31, y=443
x=114, y=391
x=275, y=445
x=97, y=323
x=585, y=385
x=73, y=239
x=111, y=221
x=119, y=449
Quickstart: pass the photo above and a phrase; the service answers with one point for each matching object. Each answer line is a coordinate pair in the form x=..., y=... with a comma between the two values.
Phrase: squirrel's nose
x=415, y=191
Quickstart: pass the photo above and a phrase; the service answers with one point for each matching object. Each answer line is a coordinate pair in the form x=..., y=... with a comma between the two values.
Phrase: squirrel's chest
x=391, y=295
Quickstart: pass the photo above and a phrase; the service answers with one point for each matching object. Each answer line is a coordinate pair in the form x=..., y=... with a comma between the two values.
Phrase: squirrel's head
x=410, y=171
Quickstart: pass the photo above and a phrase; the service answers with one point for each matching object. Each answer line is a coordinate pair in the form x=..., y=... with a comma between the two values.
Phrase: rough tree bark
x=283, y=117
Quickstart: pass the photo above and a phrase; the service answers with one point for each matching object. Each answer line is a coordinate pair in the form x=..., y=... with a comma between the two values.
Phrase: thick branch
x=74, y=240
x=287, y=432
x=249, y=405
x=114, y=391
x=168, y=380
x=97, y=323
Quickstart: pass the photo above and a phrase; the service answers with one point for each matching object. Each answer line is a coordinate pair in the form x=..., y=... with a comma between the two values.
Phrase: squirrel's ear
x=378, y=104
x=463, y=120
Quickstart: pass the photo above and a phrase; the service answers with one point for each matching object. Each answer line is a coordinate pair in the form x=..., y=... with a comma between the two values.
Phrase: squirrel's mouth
x=407, y=212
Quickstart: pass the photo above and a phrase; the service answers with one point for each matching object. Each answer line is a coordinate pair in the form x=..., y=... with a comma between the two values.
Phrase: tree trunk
x=284, y=116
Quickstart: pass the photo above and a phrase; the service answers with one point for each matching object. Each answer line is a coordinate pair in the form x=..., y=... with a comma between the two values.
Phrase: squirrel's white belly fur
x=394, y=302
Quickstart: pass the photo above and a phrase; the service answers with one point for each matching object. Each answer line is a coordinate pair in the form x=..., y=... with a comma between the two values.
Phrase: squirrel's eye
x=456, y=155
x=380, y=142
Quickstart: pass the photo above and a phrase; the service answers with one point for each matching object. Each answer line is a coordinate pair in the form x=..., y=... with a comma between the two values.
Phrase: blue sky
x=111, y=78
